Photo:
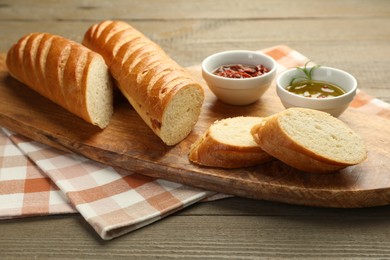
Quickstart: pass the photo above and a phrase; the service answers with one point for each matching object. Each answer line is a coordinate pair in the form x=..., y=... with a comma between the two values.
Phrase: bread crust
x=60, y=67
x=148, y=78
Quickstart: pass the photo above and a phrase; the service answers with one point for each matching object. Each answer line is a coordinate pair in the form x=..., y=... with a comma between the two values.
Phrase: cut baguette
x=164, y=94
x=65, y=72
x=310, y=140
x=228, y=143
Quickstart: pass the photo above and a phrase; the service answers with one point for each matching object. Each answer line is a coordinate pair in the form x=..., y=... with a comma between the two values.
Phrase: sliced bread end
x=228, y=144
x=310, y=140
x=181, y=114
x=99, y=93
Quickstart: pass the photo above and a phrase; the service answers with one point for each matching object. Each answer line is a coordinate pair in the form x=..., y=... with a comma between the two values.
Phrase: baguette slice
x=65, y=72
x=228, y=143
x=164, y=94
x=310, y=140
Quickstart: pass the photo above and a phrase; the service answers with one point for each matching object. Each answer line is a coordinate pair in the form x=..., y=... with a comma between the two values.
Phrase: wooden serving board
x=129, y=144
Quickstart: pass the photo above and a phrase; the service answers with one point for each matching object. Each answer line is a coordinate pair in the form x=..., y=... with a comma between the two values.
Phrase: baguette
x=228, y=143
x=165, y=96
x=310, y=140
x=65, y=72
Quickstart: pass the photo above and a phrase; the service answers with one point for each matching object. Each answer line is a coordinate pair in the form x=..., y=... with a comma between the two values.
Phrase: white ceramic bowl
x=333, y=105
x=242, y=91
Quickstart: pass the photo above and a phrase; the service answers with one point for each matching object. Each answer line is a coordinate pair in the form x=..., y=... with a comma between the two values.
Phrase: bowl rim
x=229, y=52
x=352, y=91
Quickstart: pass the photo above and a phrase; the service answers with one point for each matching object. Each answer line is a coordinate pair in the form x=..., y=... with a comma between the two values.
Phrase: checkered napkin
x=113, y=201
x=39, y=180
x=24, y=188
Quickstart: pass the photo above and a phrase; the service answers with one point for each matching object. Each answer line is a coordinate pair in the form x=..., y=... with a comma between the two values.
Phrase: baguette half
x=65, y=72
x=164, y=94
x=228, y=143
x=310, y=140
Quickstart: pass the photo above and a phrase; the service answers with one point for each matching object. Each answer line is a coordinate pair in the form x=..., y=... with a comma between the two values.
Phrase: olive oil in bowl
x=315, y=89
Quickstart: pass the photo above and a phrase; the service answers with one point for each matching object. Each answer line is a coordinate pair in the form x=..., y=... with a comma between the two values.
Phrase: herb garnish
x=307, y=87
x=307, y=71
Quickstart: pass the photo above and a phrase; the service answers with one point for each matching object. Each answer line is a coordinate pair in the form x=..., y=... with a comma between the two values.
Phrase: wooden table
x=351, y=35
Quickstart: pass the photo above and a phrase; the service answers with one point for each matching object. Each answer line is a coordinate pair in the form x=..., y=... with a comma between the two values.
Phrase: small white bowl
x=332, y=105
x=242, y=91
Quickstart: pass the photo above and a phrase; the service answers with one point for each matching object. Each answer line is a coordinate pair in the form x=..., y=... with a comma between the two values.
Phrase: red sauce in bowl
x=239, y=71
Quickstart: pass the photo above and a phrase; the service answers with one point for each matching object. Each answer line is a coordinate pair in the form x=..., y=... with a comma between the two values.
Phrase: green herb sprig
x=306, y=71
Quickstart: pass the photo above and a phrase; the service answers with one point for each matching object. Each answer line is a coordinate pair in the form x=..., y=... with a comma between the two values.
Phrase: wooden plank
x=129, y=144
x=224, y=32
x=205, y=237
x=200, y=9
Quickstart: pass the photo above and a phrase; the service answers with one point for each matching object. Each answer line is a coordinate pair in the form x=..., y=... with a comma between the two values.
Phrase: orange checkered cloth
x=39, y=180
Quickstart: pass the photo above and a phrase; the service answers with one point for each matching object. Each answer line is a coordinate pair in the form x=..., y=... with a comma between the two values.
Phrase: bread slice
x=164, y=94
x=310, y=140
x=228, y=143
x=65, y=72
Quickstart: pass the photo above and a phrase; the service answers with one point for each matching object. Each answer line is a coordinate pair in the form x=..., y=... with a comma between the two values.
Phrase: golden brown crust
x=30, y=52
x=122, y=54
x=56, y=57
x=15, y=58
x=104, y=37
x=77, y=59
x=57, y=69
x=40, y=61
